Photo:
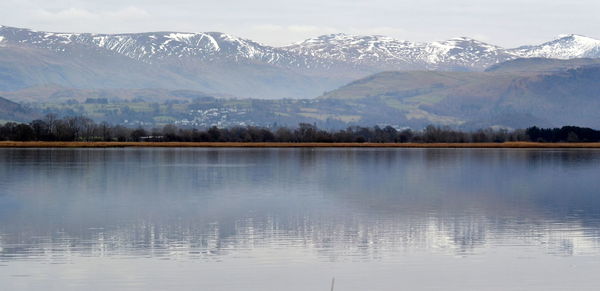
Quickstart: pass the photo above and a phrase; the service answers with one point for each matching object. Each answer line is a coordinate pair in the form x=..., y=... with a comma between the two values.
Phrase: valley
x=333, y=81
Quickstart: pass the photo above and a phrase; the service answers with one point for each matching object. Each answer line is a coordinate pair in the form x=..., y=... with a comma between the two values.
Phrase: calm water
x=292, y=219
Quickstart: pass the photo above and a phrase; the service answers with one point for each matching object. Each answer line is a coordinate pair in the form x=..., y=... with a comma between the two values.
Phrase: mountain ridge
x=219, y=63
x=516, y=94
x=561, y=92
x=331, y=47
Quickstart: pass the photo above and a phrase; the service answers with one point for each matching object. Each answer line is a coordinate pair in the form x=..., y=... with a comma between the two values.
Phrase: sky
x=507, y=23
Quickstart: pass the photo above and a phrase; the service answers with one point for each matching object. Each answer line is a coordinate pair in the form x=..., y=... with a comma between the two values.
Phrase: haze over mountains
x=10, y=110
x=519, y=93
x=363, y=80
x=220, y=63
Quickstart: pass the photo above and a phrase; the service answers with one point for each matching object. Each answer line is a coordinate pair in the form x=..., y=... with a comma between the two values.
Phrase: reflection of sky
x=366, y=204
x=290, y=219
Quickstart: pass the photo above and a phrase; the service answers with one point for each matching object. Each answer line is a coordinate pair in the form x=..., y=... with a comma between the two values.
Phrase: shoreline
x=57, y=144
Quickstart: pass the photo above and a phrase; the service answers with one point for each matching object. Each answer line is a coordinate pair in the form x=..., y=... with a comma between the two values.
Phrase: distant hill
x=555, y=93
x=57, y=94
x=516, y=94
x=218, y=63
x=540, y=65
x=11, y=111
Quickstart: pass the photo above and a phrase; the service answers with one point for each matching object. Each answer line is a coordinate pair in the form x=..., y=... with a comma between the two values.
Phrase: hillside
x=11, y=111
x=25, y=66
x=57, y=94
x=516, y=94
x=541, y=65
x=564, y=93
x=219, y=63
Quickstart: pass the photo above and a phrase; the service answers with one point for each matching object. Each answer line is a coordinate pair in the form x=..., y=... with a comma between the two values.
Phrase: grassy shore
x=43, y=144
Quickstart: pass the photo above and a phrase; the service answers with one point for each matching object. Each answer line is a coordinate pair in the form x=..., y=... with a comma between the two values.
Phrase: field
x=41, y=144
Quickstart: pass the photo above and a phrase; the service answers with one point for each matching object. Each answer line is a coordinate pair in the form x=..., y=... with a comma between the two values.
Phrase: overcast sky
x=278, y=22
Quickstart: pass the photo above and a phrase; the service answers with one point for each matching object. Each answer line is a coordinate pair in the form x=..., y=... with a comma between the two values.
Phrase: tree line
x=563, y=134
x=80, y=128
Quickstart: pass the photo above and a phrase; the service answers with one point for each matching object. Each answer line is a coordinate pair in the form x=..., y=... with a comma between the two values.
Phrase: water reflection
x=340, y=205
x=338, y=202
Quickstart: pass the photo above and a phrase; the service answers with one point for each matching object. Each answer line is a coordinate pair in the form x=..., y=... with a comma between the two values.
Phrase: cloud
x=61, y=15
x=294, y=28
x=79, y=14
x=319, y=30
x=311, y=29
x=382, y=30
x=272, y=22
x=285, y=34
x=129, y=13
x=294, y=33
x=76, y=19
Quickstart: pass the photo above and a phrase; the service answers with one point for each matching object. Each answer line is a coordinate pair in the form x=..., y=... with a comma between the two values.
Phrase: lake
x=294, y=219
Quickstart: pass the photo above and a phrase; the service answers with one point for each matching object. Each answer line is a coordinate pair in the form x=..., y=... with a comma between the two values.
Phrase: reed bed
x=59, y=144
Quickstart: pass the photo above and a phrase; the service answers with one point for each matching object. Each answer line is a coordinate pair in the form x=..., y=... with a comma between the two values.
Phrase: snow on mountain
x=350, y=47
x=207, y=46
x=464, y=52
x=391, y=53
x=370, y=53
x=151, y=46
x=359, y=50
x=565, y=47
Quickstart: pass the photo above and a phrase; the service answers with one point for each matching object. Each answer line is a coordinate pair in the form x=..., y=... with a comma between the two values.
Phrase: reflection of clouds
x=570, y=239
x=331, y=238
x=354, y=204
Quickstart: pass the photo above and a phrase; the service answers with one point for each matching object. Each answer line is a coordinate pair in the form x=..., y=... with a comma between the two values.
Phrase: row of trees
x=563, y=134
x=84, y=129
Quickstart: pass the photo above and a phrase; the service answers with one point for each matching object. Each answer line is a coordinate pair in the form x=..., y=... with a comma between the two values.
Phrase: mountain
x=565, y=47
x=210, y=62
x=381, y=53
x=565, y=93
x=78, y=67
x=56, y=94
x=541, y=65
x=156, y=47
x=11, y=111
x=517, y=94
x=384, y=53
x=218, y=63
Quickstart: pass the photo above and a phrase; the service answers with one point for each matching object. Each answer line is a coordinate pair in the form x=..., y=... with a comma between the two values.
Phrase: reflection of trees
x=332, y=238
x=352, y=203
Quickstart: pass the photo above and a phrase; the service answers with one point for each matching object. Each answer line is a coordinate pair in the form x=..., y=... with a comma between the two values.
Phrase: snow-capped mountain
x=389, y=53
x=365, y=50
x=460, y=53
x=212, y=62
x=218, y=62
x=565, y=47
x=373, y=51
x=150, y=46
x=464, y=52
